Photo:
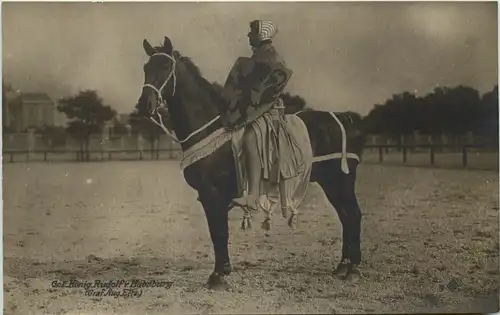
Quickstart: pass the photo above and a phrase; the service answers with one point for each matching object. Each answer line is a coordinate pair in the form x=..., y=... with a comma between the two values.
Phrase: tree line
x=452, y=111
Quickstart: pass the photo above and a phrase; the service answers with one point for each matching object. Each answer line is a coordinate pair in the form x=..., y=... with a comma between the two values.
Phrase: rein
x=163, y=103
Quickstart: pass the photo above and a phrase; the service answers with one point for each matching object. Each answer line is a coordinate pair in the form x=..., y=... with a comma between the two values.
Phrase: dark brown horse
x=175, y=92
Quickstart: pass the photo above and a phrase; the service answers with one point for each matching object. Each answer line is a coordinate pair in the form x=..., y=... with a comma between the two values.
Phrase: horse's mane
x=195, y=72
x=189, y=64
x=193, y=69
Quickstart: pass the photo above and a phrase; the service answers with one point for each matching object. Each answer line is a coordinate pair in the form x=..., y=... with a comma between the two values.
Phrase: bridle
x=162, y=103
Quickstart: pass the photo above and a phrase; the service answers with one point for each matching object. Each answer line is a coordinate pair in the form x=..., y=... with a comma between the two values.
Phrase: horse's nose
x=148, y=103
x=144, y=103
x=149, y=100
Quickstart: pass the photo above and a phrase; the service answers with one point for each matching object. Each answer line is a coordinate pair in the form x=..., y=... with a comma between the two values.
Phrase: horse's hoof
x=353, y=274
x=226, y=269
x=266, y=225
x=341, y=270
x=217, y=282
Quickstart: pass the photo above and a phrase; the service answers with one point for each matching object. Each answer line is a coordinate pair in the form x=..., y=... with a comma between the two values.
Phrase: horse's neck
x=193, y=109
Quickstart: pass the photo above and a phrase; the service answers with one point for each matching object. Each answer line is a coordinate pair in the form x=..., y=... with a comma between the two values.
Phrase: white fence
x=35, y=142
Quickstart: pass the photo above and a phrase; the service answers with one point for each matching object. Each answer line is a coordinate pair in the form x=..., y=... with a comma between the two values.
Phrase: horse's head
x=175, y=96
x=159, y=78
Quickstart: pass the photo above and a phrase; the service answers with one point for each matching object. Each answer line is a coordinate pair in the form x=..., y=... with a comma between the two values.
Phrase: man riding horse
x=253, y=87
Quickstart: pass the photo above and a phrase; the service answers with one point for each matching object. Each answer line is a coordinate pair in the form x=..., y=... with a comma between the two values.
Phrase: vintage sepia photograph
x=250, y=157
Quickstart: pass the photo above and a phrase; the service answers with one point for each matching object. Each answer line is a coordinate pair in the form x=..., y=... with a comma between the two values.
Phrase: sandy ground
x=423, y=230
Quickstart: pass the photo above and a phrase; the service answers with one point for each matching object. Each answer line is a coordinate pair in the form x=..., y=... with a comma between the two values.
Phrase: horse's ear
x=148, y=48
x=167, y=45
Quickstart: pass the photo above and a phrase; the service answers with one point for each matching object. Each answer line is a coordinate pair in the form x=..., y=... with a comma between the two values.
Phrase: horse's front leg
x=216, y=212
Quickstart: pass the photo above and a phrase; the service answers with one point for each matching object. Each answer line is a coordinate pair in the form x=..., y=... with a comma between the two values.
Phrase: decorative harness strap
x=343, y=158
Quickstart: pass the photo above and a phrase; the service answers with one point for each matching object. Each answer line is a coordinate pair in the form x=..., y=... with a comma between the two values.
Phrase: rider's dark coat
x=254, y=85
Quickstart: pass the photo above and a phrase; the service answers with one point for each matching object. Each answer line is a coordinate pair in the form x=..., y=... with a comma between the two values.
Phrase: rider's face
x=253, y=36
x=253, y=39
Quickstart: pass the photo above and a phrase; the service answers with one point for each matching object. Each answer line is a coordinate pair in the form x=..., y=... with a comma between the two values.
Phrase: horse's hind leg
x=339, y=189
x=351, y=207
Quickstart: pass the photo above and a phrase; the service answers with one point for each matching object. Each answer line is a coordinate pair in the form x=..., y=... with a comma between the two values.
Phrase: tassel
x=343, y=162
x=266, y=224
x=246, y=223
x=205, y=147
x=293, y=222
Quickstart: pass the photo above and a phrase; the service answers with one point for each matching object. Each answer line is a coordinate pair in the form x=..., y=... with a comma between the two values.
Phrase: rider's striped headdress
x=266, y=29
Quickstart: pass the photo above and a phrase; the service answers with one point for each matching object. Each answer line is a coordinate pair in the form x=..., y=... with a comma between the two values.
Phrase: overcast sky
x=345, y=56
